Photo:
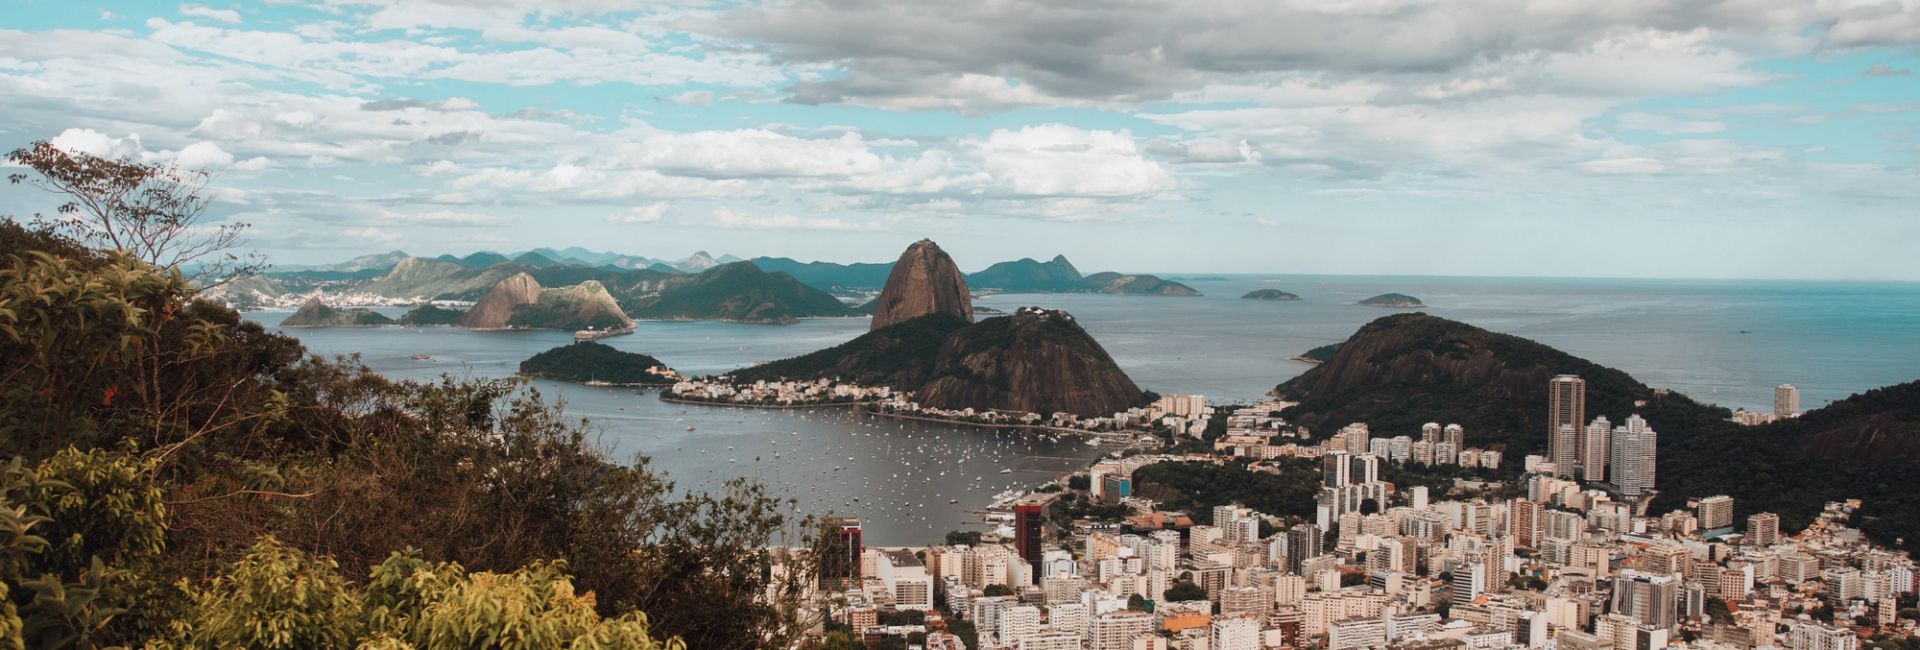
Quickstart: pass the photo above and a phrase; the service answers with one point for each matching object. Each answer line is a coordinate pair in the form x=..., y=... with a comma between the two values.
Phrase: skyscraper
x=1029, y=523
x=1635, y=453
x=1593, y=449
x=1566, y=413
x=1786, y=400
x=1763, y=529
x=1303, y=541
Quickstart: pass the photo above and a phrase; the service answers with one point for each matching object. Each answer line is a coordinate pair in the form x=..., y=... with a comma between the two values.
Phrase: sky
x=1601, y=138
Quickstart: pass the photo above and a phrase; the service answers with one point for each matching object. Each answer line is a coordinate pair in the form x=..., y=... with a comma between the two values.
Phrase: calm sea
x=1727, y=342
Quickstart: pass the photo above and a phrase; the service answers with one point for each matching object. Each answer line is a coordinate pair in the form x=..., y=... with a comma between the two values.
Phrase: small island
x=597, y=364
x=314, y=313
x=1393, y=300
x=1320, y=354
x=431, y=314
x=1269, y=294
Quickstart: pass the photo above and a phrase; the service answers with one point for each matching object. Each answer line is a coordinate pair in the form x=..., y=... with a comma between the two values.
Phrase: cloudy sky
x=1743, y=138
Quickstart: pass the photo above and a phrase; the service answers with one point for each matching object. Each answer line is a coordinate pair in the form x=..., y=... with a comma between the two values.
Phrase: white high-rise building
x=1017, y=623
x=1635, y=454
x=1786, y=401
x=1235, y=632
x=1814, y=636
x=1116, y=630
x=1593, y=449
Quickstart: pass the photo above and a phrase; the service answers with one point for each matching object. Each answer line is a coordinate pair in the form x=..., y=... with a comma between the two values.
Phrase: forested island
x=1268, y=294
x=1393, y=300
x=590, y=362
x=314, y=313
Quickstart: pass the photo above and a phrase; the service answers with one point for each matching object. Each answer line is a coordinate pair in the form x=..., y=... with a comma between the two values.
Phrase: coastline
x=676, y=400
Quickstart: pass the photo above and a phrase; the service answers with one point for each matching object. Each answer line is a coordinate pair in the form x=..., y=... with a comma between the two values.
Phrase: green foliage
x=152, y=437
x=996, y=590
x=899, y=355
x=317, y=314
x=594, y=361
x=967, y=537
x=556, y=314
x=1199, y=486
x=279, y=597
x=1138, y=603
x=1183, y=591
x=431, y=314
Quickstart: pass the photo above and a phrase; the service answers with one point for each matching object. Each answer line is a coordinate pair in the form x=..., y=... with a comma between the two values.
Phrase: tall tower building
x=1635, y=452
x=1566, y=413
x=1593, y=449
x=1786, y=401
x=1303, y=541
x=1029, y=523
x=1763, y=529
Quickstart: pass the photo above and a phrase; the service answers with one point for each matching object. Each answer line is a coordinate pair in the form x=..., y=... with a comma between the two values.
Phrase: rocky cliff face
x=924, y=281
x=495, y=310
x=1034, y=360
x=581, y=306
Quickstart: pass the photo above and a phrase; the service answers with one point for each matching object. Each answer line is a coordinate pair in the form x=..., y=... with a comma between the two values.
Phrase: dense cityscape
x=1568, y=558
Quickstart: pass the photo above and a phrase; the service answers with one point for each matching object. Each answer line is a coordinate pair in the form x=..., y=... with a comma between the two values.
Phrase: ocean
x=1725, y=342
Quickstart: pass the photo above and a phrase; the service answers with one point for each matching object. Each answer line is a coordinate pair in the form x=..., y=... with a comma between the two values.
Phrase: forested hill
x=1403, y=370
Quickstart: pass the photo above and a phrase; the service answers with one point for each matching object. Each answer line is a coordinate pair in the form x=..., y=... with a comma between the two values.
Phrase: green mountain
x=1025, y=275
x=1404, y=370
x=1268, y=294
x=430, y=314
x=739, y=292
x=314, y=313
x=589, y=361
x=1394, y=300
x=1135, y=285
x=899, y=355
x=1866, y=446
x=1034, y=360
x=828, y=275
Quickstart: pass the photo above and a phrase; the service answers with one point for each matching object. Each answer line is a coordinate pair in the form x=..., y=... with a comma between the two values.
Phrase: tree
x=996, y=590
x=153, y=211
x=1185, y=590
x=1136, y=603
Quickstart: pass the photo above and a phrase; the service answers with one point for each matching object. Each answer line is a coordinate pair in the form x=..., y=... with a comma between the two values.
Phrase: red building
x=1029, y=522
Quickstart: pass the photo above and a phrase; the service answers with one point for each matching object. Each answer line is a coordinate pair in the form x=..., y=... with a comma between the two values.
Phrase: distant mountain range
x=1025, y=275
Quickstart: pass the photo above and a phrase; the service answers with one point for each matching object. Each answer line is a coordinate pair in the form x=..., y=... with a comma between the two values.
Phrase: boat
x=421, y=357
x=689, y=428
x=1006, y=471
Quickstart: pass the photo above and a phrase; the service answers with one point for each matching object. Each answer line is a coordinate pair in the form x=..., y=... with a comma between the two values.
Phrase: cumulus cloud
x=694, y=98
x=202, y=11
x=1062, y=160
x=93, y=142
x=648, y=213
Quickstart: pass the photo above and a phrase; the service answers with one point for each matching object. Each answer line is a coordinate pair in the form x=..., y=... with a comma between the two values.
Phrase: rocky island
x=1394, y=301
x=1268, y=294
x=1035, y=360
x=593, y=363
x=429, y=315
x=314, y=313
x=519, y=302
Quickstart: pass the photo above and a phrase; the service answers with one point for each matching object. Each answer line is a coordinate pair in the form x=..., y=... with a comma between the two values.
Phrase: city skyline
x=1769, y=141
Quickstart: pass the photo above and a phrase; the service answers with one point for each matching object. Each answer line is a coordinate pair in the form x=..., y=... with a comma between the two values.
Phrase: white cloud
x=203, y=155
x=647, y=213
x=372, y=234
x=202, y=11
x=1062, y=160
x=727, y=218
x=93, y=142
x=694, y=98
x=1665, y=124
x=442, y=217
x=1624, y=166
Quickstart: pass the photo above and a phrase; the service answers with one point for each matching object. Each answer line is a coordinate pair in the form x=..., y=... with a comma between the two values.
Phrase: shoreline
x=990, y=425
x=675, y=400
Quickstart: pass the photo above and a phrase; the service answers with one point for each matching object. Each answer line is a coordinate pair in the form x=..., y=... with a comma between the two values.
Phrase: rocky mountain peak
x=495, y=309
x=924, y=281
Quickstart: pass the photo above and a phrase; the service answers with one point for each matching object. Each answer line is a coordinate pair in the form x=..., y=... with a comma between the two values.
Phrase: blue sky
x=1751, y=139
